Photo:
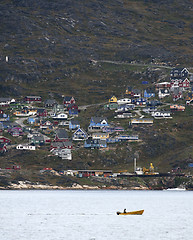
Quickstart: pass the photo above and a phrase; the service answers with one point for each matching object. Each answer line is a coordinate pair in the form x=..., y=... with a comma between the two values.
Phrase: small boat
x=139, y=212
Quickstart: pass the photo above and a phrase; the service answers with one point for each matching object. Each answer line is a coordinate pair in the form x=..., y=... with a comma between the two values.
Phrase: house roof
x=38, y=138
x=81, y=130
x=98, y=119
x=61, y=133
x=100, y=134
x=50, y=101
x=5, y=99
x=136, y=91
x=32, y=96
x=61, y=144
x=74, y=122
x=41, y=110
x=67, y=98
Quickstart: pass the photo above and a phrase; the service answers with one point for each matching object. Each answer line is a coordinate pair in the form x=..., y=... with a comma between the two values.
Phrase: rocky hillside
x=50, y=44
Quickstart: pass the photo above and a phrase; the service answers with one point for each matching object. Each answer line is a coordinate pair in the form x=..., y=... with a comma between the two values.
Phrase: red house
x=31, y=99
x=42, y=112
x=163, y=85
x=4, y=140
x=186, y=83
x=61, y=145
x=72, y=106
x=68, y=100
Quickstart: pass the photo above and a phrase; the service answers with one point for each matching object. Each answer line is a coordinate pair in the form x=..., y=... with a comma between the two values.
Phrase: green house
x=111, y=106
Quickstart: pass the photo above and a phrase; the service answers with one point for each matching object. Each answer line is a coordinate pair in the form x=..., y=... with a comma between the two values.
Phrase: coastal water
x=54, y=215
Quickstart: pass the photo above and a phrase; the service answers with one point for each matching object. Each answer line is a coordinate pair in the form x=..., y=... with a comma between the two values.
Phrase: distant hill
x=50, y=44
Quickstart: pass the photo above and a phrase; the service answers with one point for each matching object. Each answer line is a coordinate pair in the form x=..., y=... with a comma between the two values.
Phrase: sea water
x=61, y=214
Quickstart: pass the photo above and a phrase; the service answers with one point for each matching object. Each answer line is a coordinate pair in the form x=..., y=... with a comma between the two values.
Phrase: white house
x=60, y=116
x=25, y=147
x=63, y=153
x=124, y=101
x=163, y=93
x=161, y=114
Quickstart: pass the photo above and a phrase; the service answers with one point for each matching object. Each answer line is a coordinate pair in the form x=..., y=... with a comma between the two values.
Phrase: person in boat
x=124, y=210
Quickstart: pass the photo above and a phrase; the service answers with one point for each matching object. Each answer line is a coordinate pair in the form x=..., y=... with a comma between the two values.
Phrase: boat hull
x=139, y=212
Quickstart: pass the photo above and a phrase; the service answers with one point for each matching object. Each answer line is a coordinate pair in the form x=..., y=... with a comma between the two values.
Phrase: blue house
x=97, y=123
x=74, y=124
x=31, y=120
x=73, y=112
x=95, y=143
x=4, y=117
x=79, y=135
x=148, y=94
x=141, y=101
x=7, y=125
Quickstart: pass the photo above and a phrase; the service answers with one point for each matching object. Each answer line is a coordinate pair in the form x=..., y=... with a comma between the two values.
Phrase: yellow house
x=113, y=99
x=101, y=136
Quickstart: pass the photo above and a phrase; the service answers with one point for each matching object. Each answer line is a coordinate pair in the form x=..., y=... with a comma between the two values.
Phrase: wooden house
x=177, y=108
x=179, y=73
x=45, y=124
x=136, y=93
x=142, y=121
x=113, y=99
x=159, y=114
x=50, y=102
x=65, y=154
x=99, y=135
x=148, y=93
x=124, y=101
x=129, y=91
x=79, y=135
x=16, y=131
x=32, y=99
x=60, y=116
x=111, y=106
x=4, y=140
x=110, y=129
x=163, y=93
x=177, y=94
x=68, y=100
x=42, y=112
x=4, y=117
x=128, y=137
x=153, y=103
x=73, y=112
x=25, y=147
x=163, y=85
x=5, y=102
x=72, y=106
x=38, y=140
x=140, y=101
x=61, y=145
x=95, y=143
x=97, y=123
x=74, y=124
x=61, y=135
x=88, y=173
x=58, y=108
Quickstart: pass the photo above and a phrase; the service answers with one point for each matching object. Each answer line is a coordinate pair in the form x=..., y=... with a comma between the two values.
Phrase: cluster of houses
x=179, y=87
x=56, y=124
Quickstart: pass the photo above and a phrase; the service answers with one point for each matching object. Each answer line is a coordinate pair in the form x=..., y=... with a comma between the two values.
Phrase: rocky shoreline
x=22, y=185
